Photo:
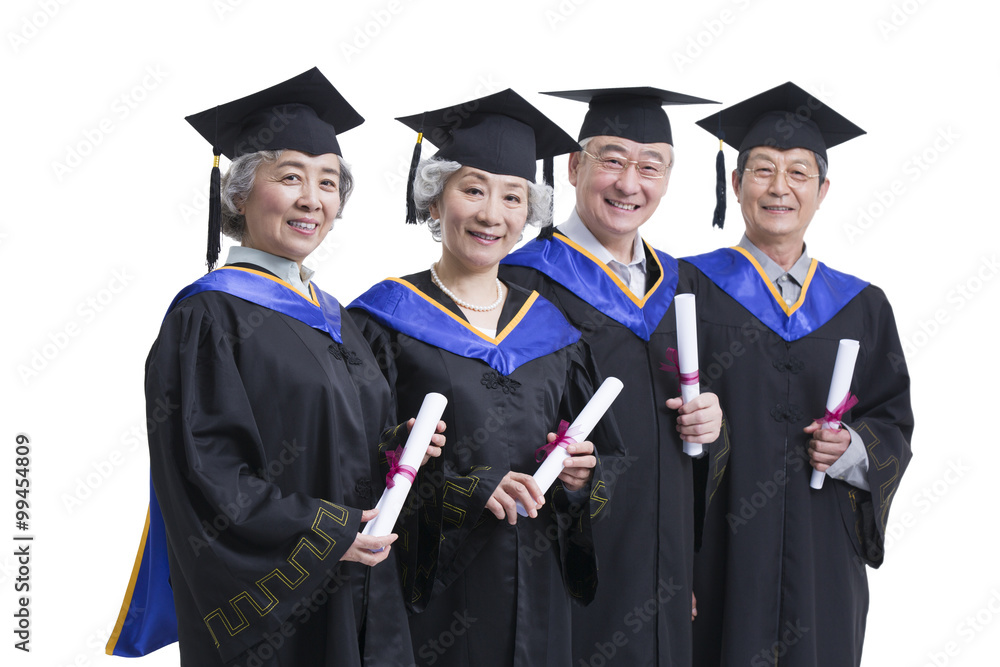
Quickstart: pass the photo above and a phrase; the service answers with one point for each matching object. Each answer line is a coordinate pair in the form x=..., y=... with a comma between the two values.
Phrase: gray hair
x=239, y=180
x=431, y=177
x=741, y=165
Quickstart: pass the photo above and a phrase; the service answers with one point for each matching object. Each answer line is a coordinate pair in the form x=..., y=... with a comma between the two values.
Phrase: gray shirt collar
x=284, y=268
x=632, y=274
x=576, y=230
x=798, y=272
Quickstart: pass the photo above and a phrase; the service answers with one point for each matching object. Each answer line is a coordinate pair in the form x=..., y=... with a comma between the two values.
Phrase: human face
x=774, y=212
x=292, y=205
x=614, y=206
x=482, y=216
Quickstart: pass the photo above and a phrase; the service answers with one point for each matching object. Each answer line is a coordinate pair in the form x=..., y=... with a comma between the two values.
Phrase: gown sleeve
x=884, y=420
x=247, y=550
x=575, y=518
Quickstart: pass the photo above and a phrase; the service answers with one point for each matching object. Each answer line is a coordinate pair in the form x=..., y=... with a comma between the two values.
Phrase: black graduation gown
x=642, y=613
x=261, y=462
x=485, y=592
x=781, y=575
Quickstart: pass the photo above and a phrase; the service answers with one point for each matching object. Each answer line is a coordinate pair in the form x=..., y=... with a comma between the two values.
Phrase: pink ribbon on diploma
x=674, y=366
x=834, y=416
x=394, y=457
x=563, y=439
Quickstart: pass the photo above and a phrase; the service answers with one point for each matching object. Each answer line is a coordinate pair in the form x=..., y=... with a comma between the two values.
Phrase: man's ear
x=574, y=167
x=822, y=192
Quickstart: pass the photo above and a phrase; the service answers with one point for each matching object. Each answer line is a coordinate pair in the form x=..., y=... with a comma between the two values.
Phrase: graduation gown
x=781, y=576
x=484, y=592
x=265, y=410
x=642, y=613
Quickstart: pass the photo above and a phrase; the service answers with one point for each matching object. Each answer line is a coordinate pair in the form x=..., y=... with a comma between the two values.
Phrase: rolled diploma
x=580, y=429
x=843, y=371
x=391, y=502
x=687, y=354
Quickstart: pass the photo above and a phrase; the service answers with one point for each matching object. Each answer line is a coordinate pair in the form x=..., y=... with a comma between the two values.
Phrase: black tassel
x=411, y=205
x=719, y=219
x=548, y=176
x=214, y=215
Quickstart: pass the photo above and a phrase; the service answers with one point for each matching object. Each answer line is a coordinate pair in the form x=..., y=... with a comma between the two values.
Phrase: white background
x=95, y=246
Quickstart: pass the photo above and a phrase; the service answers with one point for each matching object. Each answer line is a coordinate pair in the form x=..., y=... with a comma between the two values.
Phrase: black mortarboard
x=630, y=113
x=783, y=117
x=304, y=113
x=500, y=133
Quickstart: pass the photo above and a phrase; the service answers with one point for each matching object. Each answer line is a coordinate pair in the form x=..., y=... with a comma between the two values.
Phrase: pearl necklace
x=466, y=304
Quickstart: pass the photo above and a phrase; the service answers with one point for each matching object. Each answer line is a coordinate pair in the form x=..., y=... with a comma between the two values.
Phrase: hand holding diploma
x=829, y=442
x=368, y=549
x=700, y=419
x=577, y=432
x=518, y=490
x=403, y=467
x=826, y=447
x=515, y=491
x=579, y=466
x=687, y=353
x=437, y=441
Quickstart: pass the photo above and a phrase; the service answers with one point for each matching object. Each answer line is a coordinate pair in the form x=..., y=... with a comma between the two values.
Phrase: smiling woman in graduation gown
x=485, y=590
x=266, y=410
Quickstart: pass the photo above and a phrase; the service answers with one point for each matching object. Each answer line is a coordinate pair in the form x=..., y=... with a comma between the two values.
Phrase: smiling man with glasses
x=781, y=576
x=618, y=291
x=613, y=201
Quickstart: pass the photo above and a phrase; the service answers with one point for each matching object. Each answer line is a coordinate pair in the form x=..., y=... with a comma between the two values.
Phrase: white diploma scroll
x=391, y=503
x=840, y=385
x=687, y=354
x=579, y=431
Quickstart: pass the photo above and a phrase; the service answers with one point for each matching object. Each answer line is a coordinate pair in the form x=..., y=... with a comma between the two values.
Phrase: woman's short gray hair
x=432, y=175
x=238, y=183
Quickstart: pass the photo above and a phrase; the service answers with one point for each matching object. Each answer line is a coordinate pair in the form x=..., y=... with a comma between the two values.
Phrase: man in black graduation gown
x=781, y=574
x=619, y=292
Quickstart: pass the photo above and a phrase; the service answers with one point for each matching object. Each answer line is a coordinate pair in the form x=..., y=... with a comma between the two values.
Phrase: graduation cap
x=304, y=113
x=630, y=113
x=500, y=133
x=784, y=117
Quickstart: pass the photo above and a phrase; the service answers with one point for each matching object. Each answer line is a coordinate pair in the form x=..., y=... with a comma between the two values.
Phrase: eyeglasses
x=616, y=164
x=765, y=173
